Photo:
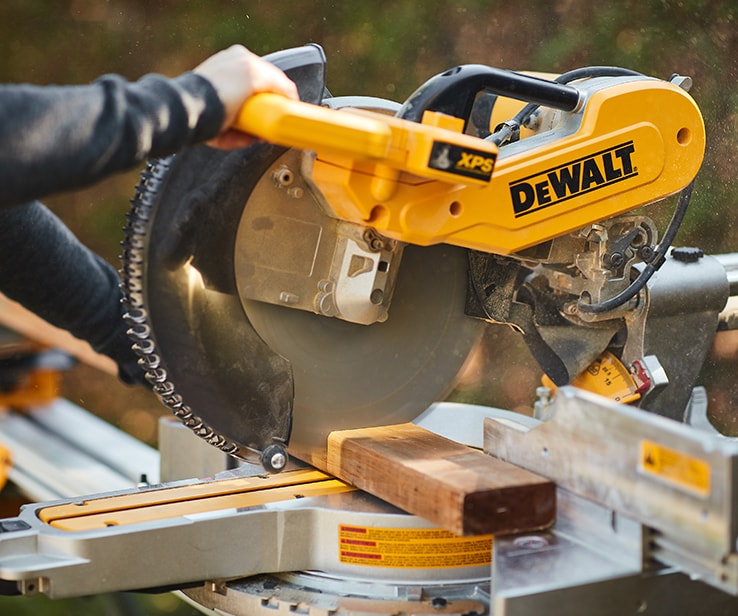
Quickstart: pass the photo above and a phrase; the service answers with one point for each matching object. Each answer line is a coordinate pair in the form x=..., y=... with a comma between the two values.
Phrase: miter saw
x=337, y=275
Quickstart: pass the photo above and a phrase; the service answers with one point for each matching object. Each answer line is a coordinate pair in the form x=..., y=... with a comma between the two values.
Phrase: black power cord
x=510, y=131
x=652, y=266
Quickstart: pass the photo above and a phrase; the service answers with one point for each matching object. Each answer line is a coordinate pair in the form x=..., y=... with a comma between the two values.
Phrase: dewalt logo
x=578, y=177
x=461, y=161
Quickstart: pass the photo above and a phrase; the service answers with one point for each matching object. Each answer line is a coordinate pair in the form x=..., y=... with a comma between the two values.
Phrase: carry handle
x=453, y=92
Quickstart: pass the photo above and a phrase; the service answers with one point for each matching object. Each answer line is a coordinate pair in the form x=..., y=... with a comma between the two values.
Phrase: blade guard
x=177, y=266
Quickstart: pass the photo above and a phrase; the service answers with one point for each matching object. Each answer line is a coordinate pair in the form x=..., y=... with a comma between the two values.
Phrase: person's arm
x=44, y=267
x=55, y=138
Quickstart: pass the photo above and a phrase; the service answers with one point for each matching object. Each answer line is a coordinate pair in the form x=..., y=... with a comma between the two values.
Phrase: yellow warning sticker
x=676, y=467
x=411, y=548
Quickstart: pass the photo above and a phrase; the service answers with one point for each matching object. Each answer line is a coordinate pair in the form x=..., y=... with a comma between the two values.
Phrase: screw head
x=274, y=458
x=614, y=259
x=284, y=176
x=646, y=253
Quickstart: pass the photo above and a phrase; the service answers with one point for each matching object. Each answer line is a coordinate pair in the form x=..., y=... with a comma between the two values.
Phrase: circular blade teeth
x=149, y=283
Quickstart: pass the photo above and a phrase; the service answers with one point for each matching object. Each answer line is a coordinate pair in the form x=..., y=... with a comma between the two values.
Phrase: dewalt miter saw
x=337, y=274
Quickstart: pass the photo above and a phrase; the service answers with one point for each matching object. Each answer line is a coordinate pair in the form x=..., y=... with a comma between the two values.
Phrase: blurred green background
x=382, y=48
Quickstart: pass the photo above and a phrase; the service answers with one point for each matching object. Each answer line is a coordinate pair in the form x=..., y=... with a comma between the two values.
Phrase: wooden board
x=15, y=317
x=461, y=489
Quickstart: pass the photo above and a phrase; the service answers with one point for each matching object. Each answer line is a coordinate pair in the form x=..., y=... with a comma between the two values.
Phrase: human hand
x=237, y=74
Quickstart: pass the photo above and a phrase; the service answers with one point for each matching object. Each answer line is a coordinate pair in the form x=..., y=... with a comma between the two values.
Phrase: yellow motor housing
x=633, y=141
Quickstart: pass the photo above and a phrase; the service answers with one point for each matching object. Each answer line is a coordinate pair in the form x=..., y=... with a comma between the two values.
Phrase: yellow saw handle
x=291, y=123
x=436, y=148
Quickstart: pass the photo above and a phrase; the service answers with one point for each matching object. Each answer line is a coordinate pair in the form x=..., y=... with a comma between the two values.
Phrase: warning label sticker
x=675, y=467
x=411, y=548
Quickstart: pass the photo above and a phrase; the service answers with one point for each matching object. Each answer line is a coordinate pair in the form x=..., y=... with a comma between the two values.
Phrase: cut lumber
x=17, y=318
x=458, y=488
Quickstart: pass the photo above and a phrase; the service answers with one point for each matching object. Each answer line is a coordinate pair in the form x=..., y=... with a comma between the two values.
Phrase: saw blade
x=248, y=375
x=349, y=376
x=346, y=375
x=225, y=365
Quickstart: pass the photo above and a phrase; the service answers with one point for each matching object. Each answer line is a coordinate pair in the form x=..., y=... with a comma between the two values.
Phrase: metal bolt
x=646, y=253
x=278, y=460
x=614, y=259
x=284, y=176
x=531, y=542
x=375, y=242
x=274, y=458
x=295, y=192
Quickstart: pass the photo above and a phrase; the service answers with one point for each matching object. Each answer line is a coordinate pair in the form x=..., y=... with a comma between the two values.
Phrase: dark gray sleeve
x=55, y=138
x=44, y=267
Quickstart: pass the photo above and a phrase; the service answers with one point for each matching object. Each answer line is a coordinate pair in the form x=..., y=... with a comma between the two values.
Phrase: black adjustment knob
x=687, y=254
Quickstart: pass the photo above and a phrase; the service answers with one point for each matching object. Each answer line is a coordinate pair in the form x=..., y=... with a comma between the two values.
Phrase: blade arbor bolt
x=274, y=458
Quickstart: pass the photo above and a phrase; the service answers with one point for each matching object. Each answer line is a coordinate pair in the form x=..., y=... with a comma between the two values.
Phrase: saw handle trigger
x=296, y=124
x=453, y=92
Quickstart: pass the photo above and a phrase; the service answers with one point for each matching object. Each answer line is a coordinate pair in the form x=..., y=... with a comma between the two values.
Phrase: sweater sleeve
x=56, y=138
x=45, y=268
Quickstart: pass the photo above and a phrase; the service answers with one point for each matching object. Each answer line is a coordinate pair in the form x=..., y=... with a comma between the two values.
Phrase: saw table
x=316, y=545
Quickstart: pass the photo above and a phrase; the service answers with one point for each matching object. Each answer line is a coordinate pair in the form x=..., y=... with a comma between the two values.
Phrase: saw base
x=319, y=595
